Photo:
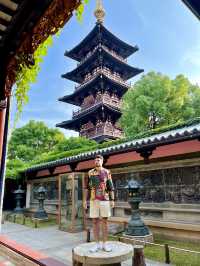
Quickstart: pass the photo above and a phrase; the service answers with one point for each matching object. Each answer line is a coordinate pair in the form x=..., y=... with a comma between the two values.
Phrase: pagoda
x=102, y=72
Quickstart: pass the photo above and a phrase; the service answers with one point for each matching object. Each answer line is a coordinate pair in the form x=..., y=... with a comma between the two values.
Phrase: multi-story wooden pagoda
x=102, y=73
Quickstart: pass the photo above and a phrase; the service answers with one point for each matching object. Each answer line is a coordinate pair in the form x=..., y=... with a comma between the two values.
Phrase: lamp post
x=41, y=213
x=18, y=197
x=136, y=226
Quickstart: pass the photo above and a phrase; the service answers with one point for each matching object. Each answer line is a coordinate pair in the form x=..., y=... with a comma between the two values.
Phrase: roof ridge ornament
x=99, y=11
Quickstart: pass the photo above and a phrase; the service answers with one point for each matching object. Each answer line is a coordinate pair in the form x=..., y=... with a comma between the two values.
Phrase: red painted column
x=2, y=124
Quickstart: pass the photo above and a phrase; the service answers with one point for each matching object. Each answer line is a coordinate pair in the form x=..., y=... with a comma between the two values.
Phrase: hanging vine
x=80, y=10
x=27, y=74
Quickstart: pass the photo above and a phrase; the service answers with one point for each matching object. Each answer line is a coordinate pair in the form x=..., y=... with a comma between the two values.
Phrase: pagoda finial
x=99, y=11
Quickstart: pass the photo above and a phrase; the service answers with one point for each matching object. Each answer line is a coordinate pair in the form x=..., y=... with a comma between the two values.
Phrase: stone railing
x=103, y=99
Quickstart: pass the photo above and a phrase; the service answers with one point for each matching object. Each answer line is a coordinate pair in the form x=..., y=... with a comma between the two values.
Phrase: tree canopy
x=172, y=101
x=33, y=139
x=35, y=142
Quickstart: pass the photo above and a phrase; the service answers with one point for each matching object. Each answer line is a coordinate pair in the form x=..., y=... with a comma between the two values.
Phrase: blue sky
x=167, y=33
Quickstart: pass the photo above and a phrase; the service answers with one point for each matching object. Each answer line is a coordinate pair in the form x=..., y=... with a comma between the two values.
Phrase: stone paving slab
x=51, y=241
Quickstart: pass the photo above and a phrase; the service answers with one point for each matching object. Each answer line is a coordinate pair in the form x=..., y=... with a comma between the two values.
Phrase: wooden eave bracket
x=146, y=153
x=51, y=170
x=73, y=166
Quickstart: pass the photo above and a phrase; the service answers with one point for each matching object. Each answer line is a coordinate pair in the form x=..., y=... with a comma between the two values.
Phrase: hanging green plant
x=80, y=10
x=27, y=75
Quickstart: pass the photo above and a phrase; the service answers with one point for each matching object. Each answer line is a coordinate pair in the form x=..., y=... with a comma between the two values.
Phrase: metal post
x=167, y=257
x=88, y=235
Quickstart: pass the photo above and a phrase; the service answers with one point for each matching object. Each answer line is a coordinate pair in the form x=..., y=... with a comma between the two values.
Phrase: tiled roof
x=171, y=136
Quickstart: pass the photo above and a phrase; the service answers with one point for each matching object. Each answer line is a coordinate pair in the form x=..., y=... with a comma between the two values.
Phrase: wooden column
x=2, y=125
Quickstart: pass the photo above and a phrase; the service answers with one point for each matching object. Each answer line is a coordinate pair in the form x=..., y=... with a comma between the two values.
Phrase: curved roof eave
x=73, y=52
x=91, y=110
x=70, y=98
x=128, y=49
x=129, y=73
x=175, y=135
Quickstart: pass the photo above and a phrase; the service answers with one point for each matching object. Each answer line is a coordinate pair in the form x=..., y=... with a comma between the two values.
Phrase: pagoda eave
x=77, y=121
x=102, y=75
x=128, y=72
x=74, y=98
x=108, y=59
x=79, y=51
x=96, y=107
x=69, y=99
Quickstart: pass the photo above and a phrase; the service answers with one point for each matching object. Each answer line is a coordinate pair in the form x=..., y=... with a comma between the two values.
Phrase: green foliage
x=36, y=143
x=31, y=140
x=172, y=101
x=27, y=75
x=14, y=167
x=74, y=143
x=80, y=10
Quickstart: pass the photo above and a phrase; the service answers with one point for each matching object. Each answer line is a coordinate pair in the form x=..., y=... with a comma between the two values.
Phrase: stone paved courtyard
x=51, y=241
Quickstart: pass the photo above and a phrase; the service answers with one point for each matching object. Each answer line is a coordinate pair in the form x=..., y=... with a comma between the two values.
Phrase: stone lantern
x=136, y=227
x=18, y=197
x=41, y=195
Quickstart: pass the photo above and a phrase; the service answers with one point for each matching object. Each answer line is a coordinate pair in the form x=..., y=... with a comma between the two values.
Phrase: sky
x=168, y=36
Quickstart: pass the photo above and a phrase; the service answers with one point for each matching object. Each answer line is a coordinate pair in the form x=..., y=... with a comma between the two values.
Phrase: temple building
x=102, y=73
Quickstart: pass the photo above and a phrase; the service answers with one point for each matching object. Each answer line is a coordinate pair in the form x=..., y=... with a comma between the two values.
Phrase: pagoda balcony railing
x=104, y=129
x=113, y=53
x=88, y=55
x=106, y=99
x=114, y=76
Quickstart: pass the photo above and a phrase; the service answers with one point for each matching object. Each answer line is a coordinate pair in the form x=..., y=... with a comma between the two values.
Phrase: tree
x=170, y=101
x=35, y=143
x=33, y=139
x=74, y=143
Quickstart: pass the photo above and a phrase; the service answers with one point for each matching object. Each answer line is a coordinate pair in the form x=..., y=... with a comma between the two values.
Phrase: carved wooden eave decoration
x=54, y=18
x=2, y=104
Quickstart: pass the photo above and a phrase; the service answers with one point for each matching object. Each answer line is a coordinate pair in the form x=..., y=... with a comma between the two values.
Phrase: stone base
x=137, y=239
x=81, y=254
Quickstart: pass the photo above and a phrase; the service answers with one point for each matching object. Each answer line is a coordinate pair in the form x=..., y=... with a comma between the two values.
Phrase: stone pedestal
x=120, y=252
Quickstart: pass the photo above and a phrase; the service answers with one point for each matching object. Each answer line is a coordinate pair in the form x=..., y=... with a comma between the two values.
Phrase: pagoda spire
x=99, y=11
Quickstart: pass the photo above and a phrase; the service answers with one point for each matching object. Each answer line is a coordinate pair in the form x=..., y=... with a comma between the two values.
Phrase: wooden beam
x=9, y=4
x=4, y=22
x=2, y=32
x=5, y=16
x=2, y=27
x=6, y=10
